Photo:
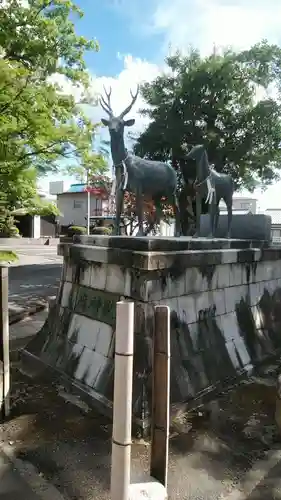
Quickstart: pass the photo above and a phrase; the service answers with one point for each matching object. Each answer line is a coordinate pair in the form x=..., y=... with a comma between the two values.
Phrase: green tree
x=213, y=101
x=40, y=121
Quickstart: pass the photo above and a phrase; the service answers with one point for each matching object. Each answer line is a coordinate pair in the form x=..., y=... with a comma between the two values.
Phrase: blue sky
x=113, y=26
x=135, y=36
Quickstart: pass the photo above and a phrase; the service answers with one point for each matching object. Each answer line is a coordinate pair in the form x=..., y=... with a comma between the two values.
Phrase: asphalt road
x=34, y=276
x=30, y=283
x=34, y=254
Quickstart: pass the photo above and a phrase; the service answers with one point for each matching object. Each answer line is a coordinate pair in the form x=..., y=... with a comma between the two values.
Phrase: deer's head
x=116, y=124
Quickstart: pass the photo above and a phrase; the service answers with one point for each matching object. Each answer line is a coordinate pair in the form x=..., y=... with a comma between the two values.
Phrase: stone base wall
x=225, y=318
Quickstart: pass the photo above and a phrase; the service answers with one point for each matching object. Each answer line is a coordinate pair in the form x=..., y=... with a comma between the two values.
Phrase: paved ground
x=30, y=283
x=21, y=332
x=35, y=277
x=234, y=456
x=34, y=254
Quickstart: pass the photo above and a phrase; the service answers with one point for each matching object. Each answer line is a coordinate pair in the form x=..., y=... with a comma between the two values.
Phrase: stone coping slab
x=151, y=261
x=163, y=243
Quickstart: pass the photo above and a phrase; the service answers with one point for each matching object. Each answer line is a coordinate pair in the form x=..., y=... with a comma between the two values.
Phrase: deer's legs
x=213, y=217
x=217, y=214
x=119, y=209
x=198, y=214
x=229, y=216
x=139, y=210
x=177, y=216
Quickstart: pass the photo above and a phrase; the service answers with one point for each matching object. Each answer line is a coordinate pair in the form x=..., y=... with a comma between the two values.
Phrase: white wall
x=73, y=207
x=167, y=229
x=36, y=226
x=243, y=203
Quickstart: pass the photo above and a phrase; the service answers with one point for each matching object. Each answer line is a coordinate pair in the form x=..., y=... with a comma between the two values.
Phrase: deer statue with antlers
x=137, y=175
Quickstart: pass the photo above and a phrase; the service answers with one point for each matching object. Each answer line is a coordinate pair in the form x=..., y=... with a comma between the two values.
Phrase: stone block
x=128, y=283
x=235, y=274
x=85, y=276
x=98, y=275
x=152, y=289
x=68, y=270
x=261, y=272
x=72, y=360
x=97, y=364
x=84, y=364
x=202, y=302
x=222, y=276
x=233, y=295
x=232, y=351
x=83, y=331
x=276, y=269
x=66, y=294
x=229, y=256
x=104, y=338
x=115, y=279
x=242, y=351
x=175, y=286
x=255, y=293
x=187, y=309
x=229, y=326
x=257, y=316
x=217, y=299
x=104, y=381
x=194, y=281
x=172, y=302
x=248, y=227
x=271, y=286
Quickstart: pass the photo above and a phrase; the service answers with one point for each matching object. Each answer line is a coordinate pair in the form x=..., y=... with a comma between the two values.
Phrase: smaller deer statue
x=214, y=186
x=137, y=175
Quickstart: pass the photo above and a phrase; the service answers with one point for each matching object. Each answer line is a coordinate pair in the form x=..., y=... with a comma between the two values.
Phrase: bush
x=101, y=230
x=72, y=230
x=7, y=226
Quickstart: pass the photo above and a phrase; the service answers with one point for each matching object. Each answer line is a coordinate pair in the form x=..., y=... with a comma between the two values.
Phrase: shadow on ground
x=29, y=285
x=72, y=448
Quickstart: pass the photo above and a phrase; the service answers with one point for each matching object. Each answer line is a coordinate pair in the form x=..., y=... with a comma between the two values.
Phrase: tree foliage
x=214, y=101
x=41, y=122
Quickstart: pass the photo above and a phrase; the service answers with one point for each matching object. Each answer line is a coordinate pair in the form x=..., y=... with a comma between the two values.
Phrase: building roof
x=76, y=188
x=275, y=214
x=97, y=191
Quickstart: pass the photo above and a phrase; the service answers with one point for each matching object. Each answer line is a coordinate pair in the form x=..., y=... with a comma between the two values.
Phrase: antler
x=134, y=98
x=106, y=106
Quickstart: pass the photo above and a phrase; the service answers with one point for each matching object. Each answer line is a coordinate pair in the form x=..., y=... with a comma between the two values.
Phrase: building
x=241, y=205
x=72, y=202
x=36, y=226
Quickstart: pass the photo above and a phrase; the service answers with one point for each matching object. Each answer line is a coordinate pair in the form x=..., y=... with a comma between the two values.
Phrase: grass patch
x=8, y=256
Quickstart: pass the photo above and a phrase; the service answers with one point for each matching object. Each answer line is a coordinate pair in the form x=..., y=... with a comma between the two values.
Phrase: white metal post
x=122, y=403
x=4, y=344
x=88, y=210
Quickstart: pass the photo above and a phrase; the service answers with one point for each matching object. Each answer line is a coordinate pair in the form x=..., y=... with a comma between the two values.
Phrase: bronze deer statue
x=214, y=186
x=137, y=175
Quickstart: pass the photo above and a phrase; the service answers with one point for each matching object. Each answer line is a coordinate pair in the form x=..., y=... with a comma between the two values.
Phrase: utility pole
x=88, y=203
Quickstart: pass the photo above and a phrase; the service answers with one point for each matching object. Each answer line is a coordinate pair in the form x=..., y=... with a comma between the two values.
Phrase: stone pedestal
x=224, y=297
x=247, y=226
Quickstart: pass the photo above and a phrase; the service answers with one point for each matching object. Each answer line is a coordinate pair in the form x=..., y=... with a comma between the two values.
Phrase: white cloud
x=135, y=71
x=199, y=23
x=205, y=23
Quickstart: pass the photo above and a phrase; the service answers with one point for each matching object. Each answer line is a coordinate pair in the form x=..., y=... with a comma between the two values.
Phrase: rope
x=125, y=177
